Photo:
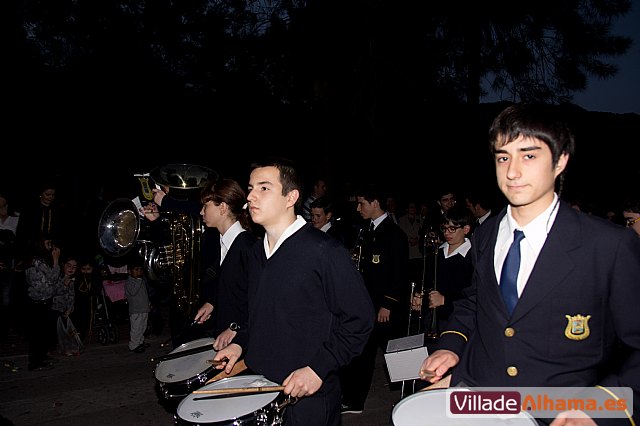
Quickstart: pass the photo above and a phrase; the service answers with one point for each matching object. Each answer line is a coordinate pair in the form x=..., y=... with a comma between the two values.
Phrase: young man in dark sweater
x=309, y=311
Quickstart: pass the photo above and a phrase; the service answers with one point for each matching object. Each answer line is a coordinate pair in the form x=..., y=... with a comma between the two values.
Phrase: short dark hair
x=536, y=120
x=289, y=176
x=480, y=196
x=371, y=192
x=135, y=262
x=323, y=203
x=459, y=215
x=631, y=204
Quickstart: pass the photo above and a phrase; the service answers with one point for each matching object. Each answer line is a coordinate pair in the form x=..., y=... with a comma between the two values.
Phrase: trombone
x=430, y=240
x=432, y=333
x=356, y=251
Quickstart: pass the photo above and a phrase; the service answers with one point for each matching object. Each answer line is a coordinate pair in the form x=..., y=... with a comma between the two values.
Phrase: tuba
x=170, y=246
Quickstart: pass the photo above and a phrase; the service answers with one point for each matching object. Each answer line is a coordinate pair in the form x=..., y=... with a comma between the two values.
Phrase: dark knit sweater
x=308, y=306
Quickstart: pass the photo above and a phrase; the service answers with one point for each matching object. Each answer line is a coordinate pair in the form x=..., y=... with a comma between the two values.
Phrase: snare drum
x=178, y=377
x=258, y=409
x=429, y=408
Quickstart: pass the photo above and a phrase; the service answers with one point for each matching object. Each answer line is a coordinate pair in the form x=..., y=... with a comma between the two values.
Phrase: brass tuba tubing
x=176, y=259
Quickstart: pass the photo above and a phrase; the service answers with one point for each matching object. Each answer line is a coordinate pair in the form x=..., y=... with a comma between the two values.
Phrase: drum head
x=197, y=408
x=186, y=367
x=429, y=408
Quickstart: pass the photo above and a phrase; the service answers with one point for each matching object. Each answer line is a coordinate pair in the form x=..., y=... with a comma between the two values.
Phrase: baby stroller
x=102, y=326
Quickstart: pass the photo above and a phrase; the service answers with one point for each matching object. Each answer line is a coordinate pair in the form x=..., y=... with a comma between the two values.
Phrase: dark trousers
x=321, y=409
x=40, y=331
x=356, y=378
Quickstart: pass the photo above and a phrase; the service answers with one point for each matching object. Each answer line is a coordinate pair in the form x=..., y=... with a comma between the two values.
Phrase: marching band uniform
x=320, y=287
x=578, y=309
x=384, y=265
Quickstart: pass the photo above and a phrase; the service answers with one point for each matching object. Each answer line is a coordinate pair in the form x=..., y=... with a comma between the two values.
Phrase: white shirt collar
x=377, y=221
x=326, y=227
x=226, y=239
x=463, y=249
x=535, y=231
x=299, y=223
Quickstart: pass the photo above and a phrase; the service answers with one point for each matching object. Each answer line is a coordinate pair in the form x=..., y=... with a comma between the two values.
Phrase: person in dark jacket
x=322, y=218
x=453, y=270
x=223, y=208
x=206, y=253
x=309, y=311
x=384, y=265
x=576, y=291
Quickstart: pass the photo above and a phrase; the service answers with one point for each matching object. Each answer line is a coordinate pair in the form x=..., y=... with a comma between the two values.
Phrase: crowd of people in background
x=411, y=254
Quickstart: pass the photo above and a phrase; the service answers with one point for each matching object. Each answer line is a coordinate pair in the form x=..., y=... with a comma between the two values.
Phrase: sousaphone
x=172, y=244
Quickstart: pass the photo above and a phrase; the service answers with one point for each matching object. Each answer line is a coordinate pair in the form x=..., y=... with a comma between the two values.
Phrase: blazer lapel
x=553, y=263
x=485, y=246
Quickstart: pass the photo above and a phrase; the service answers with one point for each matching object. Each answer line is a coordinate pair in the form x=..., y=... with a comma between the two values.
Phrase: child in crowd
x=88, y=284
x=139, y=306
x=63, y=304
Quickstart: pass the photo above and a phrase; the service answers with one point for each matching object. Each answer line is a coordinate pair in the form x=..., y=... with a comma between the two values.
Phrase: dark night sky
x=621, y=94
x=105, y=145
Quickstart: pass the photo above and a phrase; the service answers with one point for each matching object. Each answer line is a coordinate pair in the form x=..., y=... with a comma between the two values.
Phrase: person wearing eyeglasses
x=555, y=292
x=631, y=214
x=430, y=230
x=453, y=271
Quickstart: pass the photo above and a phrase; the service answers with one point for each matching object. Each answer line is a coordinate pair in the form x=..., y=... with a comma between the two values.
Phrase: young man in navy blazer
x=575, y=320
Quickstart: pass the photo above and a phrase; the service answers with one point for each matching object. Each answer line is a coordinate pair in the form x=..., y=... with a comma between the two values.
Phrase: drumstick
x=426, y=374
x=238, y=368
x=258, y=389
x=215, y=363
x=184, y=328
x=444, y=383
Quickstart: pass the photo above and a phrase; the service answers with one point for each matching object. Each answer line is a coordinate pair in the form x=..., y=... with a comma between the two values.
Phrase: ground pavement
x=110, y=385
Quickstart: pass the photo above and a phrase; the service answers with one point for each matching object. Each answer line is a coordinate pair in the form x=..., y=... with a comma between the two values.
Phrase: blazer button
x=512, y=371
x=509, y=332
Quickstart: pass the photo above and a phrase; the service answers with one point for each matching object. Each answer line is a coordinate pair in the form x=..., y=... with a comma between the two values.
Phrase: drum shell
x=178, y=377
x=260, y=409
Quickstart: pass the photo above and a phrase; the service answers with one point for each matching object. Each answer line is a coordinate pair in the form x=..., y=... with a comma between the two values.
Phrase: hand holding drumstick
x=227, y=357
x=436, y=365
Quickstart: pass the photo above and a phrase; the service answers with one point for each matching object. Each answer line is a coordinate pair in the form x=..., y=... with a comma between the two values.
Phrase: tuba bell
x=170, y=246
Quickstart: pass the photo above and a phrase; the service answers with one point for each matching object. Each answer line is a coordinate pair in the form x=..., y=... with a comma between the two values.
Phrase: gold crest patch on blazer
x=577, y=327
x=376, y=259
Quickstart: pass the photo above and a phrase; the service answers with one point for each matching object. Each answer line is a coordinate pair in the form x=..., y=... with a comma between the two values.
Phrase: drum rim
x=188, y=345
x=223, y=381
x=191, y=379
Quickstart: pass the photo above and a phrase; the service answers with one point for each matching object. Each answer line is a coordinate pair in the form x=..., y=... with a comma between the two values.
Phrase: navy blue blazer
x=578, y=309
